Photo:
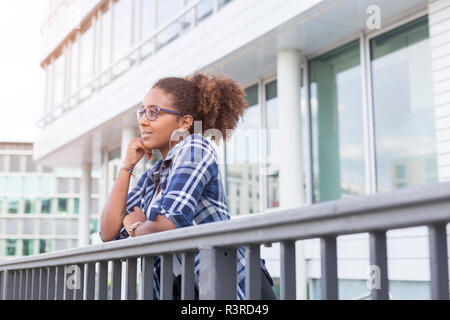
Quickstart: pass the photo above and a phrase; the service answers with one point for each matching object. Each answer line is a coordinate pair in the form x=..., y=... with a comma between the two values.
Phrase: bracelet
x=133, y=227
x=129, y=170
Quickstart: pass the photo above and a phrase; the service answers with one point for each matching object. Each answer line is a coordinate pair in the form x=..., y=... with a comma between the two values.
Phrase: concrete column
x=290, y=148
x=85, y=197
x=127, y=134
x=439, y=22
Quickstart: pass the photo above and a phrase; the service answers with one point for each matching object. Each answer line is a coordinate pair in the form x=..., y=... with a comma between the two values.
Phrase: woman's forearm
x=115, y=207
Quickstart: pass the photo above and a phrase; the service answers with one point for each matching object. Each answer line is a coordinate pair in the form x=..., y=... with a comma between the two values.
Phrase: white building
x=39, y=206
x=354, y=94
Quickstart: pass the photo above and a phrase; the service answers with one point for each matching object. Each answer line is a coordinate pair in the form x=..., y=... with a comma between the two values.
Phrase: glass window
x=14, y=163
x=93, y=225
x=243, y=154
x=121, y=28
x=13, y=205
x=48, y=186
x=11, y=247
x=2, y=185
x=76, y=185
x=106, y=38
x=76, y=205
x=166, y=10
x=58, y=85
x=63, y=205
x=46, y=205
x=29, y=226
x=148, y=17
x=204, y=10
x=337, y=124
x=405, y=133
x=45, y=226
x=31, y=186
x=30, y=164
x=223, y=3
x=74, y=66
x=30, y=206
x=63, y=185
x=2, y=163
x=94, y=206
x=12, y=226
x=14, y=186
x=87, y=56
x=94, y=185
x=44, y=246
x=27, y=247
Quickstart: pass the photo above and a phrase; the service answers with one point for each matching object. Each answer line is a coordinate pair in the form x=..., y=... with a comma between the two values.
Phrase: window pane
x=31, y=185
x=337, y=124
x=13, y=205
x=167, y=9
x=58, y=85
x=74, y=66
x=63, y=205
x=46, y=205
x=63, y=185
x=204, y=10
x=243, y=160
x=76, y=207
x=44, y=246
x=14, y=186
x=2, y=163
x=148, y=17
x=405, y=133
x=106, y=38
x=121, y=28
x=30, y=164
x=27, y=247
x=48, y=186
x=14, y=163
x=2, y=185
x=11, y=247
x=30, y=206
x=86, y=58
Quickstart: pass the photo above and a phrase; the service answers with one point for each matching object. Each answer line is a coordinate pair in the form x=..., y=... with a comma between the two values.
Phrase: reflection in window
x=76, y=206
x=46, y=205
x=10, y=249
x=27, y=247
x=13, y=205
x=44, y=246
x=30, y=206
x=404, y=115
x=337, y=124
x=166, y=10
x=63, y=205
x=243, y=157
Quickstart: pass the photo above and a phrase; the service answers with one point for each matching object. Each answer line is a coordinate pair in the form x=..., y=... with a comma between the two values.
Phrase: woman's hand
x=136, y=151
x=136, y=215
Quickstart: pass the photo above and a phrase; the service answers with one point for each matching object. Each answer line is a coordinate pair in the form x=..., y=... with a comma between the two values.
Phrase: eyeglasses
x=152, y=112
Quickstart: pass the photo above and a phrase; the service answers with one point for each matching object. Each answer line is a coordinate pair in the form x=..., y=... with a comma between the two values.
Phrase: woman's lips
x=146, y=134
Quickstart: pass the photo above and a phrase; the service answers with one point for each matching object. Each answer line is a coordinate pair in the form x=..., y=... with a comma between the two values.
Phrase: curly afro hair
x=215, y=100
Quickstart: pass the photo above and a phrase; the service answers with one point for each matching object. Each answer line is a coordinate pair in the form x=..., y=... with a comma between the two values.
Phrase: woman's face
x=156, y=133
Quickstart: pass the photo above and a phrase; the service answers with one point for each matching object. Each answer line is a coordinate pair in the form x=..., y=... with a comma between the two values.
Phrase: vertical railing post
x=28, y=284
x=378, y=264
x=147, y=278
x=8, y=285
x=218, y=274
x=51, y=281
x=59, y=294
x=79, y=291
x=130, y=286
x=287, y=272
x=187, y=276
x=16, y=285
x=22, y=284
x=89, y=285
x=166, y=277
x=328, y=257
x=116, y=275
x=35, y=284
x=43, y=284
x=252, y=272
x=437, y=237
x=102, y=280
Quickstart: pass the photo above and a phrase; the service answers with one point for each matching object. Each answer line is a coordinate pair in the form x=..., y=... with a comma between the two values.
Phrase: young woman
x=184, y=187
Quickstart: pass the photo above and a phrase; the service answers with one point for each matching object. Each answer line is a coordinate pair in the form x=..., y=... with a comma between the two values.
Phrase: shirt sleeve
x=133, y=199
x=192, y=169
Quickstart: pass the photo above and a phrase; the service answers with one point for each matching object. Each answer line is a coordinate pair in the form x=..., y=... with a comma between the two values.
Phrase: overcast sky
x=21, y=78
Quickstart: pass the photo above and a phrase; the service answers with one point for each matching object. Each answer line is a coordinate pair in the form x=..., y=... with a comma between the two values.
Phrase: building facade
x=347, y=98
x=39, y=205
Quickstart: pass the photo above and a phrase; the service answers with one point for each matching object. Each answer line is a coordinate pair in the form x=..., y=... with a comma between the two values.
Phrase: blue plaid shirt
x=192, y=193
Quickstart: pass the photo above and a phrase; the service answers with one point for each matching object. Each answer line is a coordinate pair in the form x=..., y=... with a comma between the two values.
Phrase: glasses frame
x=157, y=109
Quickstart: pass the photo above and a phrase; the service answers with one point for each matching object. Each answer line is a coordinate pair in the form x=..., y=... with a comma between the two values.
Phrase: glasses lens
x=139, y=114
x=152, y=113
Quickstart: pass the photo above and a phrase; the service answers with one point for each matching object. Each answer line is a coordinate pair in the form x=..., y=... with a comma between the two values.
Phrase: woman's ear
x=186, y=122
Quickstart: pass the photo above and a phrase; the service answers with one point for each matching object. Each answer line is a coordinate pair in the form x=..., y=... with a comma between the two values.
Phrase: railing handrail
x=403, y=208
x=135, y=48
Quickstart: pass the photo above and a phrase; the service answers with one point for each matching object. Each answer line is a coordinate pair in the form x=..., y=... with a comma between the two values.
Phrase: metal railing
x=187, y=18
x=43, y=276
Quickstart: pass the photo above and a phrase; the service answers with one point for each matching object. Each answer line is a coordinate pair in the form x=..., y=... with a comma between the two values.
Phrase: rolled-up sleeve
x=192, y=169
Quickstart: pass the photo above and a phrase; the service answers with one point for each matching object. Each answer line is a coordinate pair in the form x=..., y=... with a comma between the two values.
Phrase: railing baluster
x=103, y=280
x=22, y=284
x=8, y=285
x=328, y=258
x=218, y=278
x=287, y=272
x=187, y=276
x=28, y=284
x=378, y=258
x=437, y=237
x=147, y=278
x=130, y=292
x=35, y=284
x=79, y=292
x=59, y=295
x=51, y=283
x=43, y=284
x=166, y=284
x=252, y=272
x=16, y=285
x=1, y=284
x=116, y=280
x=68, y=292
x=89, y=293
